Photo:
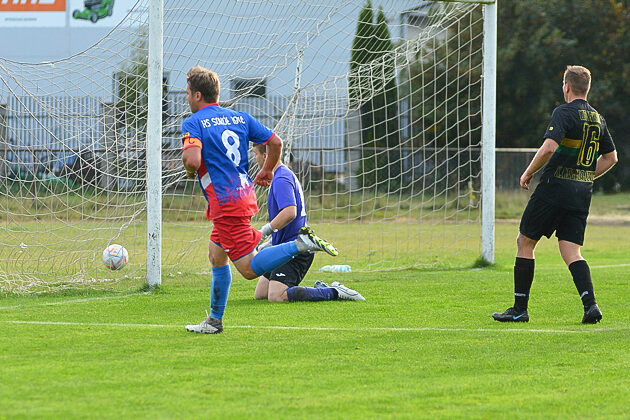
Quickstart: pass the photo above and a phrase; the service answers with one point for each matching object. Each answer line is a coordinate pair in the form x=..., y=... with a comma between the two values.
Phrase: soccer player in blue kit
x=287, y=214
x=215, y=145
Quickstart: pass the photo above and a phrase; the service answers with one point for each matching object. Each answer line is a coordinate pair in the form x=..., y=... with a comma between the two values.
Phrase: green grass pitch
x=423, y=345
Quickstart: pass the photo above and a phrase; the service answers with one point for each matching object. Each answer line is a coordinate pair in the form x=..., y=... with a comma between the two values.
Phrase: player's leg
x=277, y=292
x=219, y=289
x=262, y=288
x=254, y=264
x=538, y=219
x=275, y=256
x=570, y=239
x=284, y=282
x=280, y=292
x=321, y=291
x=525, y=246
x=524, y=265
x=239, y=239
x=308, y=241
x=221, y=281
x=341, y=292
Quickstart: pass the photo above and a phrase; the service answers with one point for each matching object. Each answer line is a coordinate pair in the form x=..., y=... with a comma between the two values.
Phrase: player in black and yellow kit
x=578, y=149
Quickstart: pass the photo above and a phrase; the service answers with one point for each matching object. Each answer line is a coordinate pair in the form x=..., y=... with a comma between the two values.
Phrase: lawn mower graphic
x=94, y=10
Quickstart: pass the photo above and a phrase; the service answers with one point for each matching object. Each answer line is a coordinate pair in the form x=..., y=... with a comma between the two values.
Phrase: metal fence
x=41, y=136
x=510, y=164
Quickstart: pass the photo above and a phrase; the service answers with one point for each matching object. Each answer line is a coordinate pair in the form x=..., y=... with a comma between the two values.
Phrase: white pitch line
x=66, y=302
x=282, y=327
x=562, y=267
x=611, y=266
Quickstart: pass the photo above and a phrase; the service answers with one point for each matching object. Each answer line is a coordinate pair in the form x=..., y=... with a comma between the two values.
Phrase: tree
x=536, y=41
x=443, y=89
x=132, y=90
x=361, y=52
x=132, y=84
x=373, y=90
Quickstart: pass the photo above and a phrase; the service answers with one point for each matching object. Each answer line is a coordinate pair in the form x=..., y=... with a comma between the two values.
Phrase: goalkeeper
x=287, y=214
x=575, y=137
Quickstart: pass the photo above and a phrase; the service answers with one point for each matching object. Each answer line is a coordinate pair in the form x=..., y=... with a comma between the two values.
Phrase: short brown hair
x=262, y=148
x=579, y=78
x=206, y=81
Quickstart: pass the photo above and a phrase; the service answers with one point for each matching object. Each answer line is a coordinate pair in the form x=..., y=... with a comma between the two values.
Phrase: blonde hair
x=206, y=81
x=579, y=78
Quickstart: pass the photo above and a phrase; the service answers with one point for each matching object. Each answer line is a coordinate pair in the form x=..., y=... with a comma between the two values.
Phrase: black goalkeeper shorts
x=542, y=218
x=292, y=272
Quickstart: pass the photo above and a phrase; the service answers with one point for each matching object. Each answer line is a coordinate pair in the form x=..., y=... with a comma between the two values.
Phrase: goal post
x=154, y=144
x=488, y=131
x=393, y=62
x=386, y=109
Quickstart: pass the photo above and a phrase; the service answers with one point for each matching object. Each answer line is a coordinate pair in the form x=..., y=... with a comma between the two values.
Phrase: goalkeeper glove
x=263, y=244
x=266, y=231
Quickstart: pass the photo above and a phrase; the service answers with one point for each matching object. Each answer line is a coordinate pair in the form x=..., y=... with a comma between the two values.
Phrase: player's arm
x=283, y=218
x=191, y=156
x=274, y=149
x=605, y=162
x=542, y=156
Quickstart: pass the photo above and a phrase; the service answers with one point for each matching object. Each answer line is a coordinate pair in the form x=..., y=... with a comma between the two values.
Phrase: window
x=248, y=87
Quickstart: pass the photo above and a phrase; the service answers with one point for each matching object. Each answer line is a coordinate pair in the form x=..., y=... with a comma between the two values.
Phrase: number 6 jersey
x=223, y=136
x=582, y=135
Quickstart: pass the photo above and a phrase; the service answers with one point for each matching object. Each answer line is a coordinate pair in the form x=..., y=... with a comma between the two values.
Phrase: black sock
x=582, y=279
x=523, y=278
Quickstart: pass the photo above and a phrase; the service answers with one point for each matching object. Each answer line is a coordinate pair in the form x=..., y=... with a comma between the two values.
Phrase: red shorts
x=235, y=235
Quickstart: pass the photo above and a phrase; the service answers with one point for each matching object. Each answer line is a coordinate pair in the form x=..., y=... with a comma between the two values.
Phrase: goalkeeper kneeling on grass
x=287, y=214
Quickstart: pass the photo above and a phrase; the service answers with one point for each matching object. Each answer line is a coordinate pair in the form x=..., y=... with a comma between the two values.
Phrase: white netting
x=385, y=139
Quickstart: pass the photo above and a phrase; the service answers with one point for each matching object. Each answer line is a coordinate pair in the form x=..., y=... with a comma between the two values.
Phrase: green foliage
x=536, y=41
x=373, y=89
x=132, y=88
x=443, y=89
x=437, y=77
x=362, y=52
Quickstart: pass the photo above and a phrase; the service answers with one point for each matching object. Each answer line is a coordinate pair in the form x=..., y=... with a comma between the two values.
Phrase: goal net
x=378, y=104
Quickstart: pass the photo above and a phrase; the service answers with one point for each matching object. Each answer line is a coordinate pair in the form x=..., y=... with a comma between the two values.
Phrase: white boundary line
x=563, y=267
x=281, y=327
x=611, y=266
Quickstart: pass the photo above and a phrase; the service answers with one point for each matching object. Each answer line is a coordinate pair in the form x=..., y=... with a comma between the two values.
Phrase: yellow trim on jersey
x=571, y=143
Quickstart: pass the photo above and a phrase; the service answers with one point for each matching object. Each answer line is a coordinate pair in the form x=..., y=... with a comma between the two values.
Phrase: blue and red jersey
x=286, y=191
x=224, y=135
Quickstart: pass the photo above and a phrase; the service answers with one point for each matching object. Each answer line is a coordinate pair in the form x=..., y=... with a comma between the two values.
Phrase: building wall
x=234, y=38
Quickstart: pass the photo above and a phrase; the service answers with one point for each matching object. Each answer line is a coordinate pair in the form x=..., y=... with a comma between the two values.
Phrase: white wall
x=232, y=37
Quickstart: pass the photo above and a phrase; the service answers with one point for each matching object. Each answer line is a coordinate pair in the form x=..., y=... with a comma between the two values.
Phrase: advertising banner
x=74, y=13
x=99, y=13
x=32, y=13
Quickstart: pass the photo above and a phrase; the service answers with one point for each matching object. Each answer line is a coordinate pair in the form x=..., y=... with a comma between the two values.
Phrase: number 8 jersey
x=223, y=136
x=582, y=135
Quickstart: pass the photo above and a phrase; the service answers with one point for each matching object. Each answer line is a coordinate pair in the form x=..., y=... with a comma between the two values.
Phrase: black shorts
x=292, y=272
x=541, y=218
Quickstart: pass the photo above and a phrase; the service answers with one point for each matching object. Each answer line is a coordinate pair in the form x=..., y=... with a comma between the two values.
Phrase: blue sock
x=273, y=257
x=219, y=290
x=310, y=294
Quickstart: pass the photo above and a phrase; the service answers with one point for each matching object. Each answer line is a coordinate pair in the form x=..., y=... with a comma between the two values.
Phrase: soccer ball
x=115, y=257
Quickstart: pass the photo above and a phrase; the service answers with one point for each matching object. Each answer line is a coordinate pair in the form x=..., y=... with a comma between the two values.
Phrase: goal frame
x=154, y=136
